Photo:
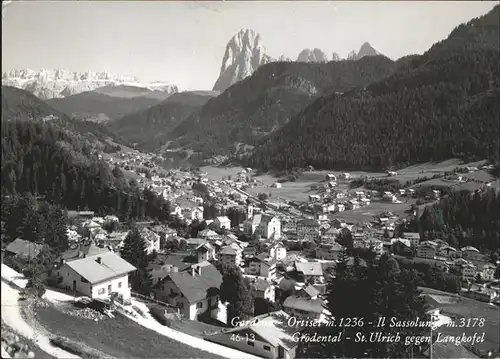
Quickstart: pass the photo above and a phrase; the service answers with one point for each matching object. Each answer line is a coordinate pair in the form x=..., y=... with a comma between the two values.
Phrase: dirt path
x=11, y=315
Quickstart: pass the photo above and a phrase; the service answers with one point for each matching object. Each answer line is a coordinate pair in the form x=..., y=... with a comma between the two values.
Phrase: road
x=11, y=315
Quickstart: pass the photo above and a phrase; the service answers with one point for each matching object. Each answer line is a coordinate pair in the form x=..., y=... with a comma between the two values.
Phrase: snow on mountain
x=244, y=54
x=365, y=50
x=312, y=55
x=58, y=83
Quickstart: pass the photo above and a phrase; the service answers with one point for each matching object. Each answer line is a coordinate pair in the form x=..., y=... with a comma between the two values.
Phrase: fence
x=149, y=299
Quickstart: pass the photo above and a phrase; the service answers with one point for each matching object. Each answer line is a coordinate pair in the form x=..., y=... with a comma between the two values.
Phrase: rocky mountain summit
x=312, y=55
x=47, y=84
x=365, y=50
x=244, y=54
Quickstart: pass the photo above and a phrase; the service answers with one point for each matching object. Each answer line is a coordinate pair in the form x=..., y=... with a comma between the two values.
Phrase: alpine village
x=316, y=208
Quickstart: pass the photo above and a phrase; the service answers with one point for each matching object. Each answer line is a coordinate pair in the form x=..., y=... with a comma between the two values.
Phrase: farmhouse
x=23, y=249
x=471, y=254
x=194, y=291
x=96, y=276
x=222, y=223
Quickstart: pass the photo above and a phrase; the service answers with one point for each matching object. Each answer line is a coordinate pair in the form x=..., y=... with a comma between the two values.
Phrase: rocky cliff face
x=365, y=50
x=244, y=54
x=335, y=57
x=312, y=55
x=46, y=84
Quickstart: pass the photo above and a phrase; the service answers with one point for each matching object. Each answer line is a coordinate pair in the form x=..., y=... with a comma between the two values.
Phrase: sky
x=183, y=43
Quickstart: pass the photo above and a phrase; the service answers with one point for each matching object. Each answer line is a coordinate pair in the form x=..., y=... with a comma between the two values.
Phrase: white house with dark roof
x=277, y=251
x=264, y=288
x=222, y=223
x=205, y=252
x=268, y=337
x=230, y=255
x=193, y=291
x=96, y=276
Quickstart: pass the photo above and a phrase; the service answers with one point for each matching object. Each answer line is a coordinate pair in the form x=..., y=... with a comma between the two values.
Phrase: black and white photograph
x=250, y=179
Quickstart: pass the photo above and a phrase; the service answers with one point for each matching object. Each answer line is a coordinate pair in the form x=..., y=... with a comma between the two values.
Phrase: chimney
x=98, y=260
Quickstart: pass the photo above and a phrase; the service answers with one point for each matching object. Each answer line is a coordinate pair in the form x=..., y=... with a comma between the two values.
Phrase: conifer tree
x=134, y=252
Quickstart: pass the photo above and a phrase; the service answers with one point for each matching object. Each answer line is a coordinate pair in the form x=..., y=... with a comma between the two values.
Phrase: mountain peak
x=57, y=83
x=244, y=54
x=312, y=55
x=365, y=50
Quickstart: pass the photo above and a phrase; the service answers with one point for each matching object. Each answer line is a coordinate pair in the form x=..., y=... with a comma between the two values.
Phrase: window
x=83, y=280
x=267, y=347
x=199, y=305
x=251, y=343
x=100, y=291
x=119, y=284
x=109, y=288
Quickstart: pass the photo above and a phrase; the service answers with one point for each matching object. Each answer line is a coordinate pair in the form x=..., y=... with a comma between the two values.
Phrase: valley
x=200, y=216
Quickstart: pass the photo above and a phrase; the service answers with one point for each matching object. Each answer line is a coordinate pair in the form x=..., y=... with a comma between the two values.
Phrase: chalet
x=471, y=254
x=267, y=335
x=193, y=291
x=331, y=177
x=193, y=243
x=413, y=237
x=276, y=185
x=249, y=252
x=392, y=173
x=352, y=204
x=340, y=207
x=447, y=252
x=330, y=235
x=308, y=229
x=469, y=271
x=231, y=255
x=96, y=276
x=222, y=223
x=264, y=289
x=328, y=251
x=23, y=249
x=314, y=197
x=426, y=250
x=345, y=175
x=488, y=272
x=303, y=308
x=308, y=292
x=309, y=272
x=207, y=234
x=262, y=266
x=205, y=252
x=277, y=251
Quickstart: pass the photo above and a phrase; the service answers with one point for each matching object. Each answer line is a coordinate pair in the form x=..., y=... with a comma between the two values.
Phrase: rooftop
x=111, y=265
x=308, y=305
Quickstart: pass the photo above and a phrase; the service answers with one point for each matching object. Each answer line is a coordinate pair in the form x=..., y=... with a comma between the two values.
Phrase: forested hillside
x=149, y=128
x=94, y=104
x=41, y=159
x=21, y=105
x=465, y=219
x=439, y=105
x=262, y=103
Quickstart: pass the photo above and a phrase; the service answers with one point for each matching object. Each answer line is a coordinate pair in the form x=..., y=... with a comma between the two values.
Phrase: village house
x=208, y=234
x=222, y=223
x=262, y=266
x=267, y=335
x=447, y=252
x=328, y=251
x=96, y=276
x=205, y=252
x=23, y=249
x=276, y=185
x=469, y=271
x=331, y=177
x=303, y=308
x=482, y=294
x=308, y=230
x=309, y=272
x=277, y=251
x=330, y=235
x=264, y=289
x=413, y=237
x=389, y=197
x=471, y=254
x=193, y=291
x=426, y=250
x=340, y=207
x=308, y=292
x=231, y=255
x=249, y=252
x=488, y=272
